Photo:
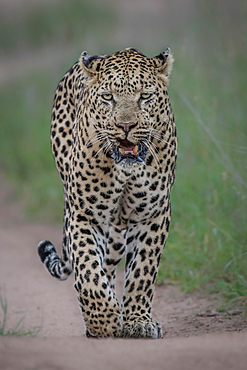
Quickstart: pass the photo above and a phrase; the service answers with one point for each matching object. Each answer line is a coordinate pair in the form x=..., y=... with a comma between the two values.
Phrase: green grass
x=59, y=23
x=19, y=329
x=25, y=146
x=207, y=245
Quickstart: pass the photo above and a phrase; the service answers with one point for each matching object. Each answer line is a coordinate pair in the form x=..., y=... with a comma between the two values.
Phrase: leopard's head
x=126, y=102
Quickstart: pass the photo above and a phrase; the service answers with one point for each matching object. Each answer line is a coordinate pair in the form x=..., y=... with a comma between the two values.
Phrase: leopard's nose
x=126, y=126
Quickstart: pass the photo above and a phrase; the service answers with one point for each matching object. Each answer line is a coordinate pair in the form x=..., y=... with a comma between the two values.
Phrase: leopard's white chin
x=128, y=163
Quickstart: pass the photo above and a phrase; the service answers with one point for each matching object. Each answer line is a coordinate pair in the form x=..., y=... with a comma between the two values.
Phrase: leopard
x=114, y=141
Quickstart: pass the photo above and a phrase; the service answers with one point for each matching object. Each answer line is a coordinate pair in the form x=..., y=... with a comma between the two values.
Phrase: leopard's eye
x=145, y=95
x=107, y=96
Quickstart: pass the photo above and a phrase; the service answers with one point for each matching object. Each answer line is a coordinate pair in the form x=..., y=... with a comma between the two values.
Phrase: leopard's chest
x=107, y=194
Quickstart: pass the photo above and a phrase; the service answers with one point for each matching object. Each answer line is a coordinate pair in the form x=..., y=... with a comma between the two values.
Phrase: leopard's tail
x=57, y=267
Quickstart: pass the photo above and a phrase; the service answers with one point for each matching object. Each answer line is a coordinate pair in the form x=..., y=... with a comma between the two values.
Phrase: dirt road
x=195, y=335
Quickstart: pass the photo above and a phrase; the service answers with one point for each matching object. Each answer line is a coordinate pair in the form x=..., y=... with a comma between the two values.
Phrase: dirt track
x=195, y=335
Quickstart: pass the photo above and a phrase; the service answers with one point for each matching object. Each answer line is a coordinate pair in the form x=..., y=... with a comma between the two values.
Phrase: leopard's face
x=129, y=94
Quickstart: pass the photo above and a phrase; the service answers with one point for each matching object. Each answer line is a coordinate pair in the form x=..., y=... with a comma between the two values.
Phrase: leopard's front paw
x=139, y=328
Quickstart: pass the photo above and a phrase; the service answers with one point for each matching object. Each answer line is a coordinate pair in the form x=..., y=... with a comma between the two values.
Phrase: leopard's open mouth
x=127, y=147
x=129, y=153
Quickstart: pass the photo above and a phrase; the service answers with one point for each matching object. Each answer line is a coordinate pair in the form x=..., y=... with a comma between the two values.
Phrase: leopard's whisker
x=158, y=134
x=105, y=146
x=155, y=155
x=148, y=145
x=160, y=139
x=98, y=135
x=96, y=138
x=161, y=130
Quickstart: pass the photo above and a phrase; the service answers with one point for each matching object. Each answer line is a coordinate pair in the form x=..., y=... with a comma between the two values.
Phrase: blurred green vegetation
x=207, y=245
x=60, y=22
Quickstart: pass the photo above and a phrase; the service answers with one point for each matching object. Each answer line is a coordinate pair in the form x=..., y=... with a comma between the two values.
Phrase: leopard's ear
x=163, y=64
x=90, y=64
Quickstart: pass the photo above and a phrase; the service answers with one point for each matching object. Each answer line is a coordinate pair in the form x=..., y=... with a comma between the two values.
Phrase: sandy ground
x=195, y=335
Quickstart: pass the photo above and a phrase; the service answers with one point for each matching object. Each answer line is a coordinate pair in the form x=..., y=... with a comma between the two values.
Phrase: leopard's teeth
x=135, y=150
x=122, y=150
